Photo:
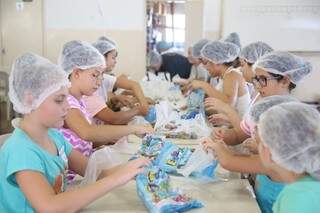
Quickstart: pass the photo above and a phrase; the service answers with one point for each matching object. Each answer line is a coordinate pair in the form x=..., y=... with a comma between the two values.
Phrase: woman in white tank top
x=220, y=59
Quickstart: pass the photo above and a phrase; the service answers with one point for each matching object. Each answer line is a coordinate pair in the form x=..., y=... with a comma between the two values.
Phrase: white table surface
x=224, y=196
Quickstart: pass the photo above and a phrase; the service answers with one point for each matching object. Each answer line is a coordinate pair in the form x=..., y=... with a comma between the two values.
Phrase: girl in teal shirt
x=34, y=160
x=289, y=144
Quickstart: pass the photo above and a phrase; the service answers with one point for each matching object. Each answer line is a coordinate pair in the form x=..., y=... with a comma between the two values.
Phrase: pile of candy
x=154, y=189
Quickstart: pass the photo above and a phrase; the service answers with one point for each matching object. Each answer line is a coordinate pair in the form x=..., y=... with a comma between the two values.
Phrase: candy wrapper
x=178, y=160
x=154, y=190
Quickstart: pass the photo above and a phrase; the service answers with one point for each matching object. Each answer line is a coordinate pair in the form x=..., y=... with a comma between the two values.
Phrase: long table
x=231, y=195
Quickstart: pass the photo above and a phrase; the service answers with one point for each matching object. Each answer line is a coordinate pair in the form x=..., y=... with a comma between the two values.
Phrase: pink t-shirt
x=85, y=147
x=96, y=102
x=246, y=125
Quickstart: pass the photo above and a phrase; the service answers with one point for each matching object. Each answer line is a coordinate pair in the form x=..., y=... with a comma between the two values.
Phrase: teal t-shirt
x=20, y=153
x=267, y=192
x=300, y=196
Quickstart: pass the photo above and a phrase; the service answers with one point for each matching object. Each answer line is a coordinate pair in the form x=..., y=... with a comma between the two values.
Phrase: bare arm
x=236, y=163
x=100, y=134
x=121, y=117
x=134, y=86
x=42, y=197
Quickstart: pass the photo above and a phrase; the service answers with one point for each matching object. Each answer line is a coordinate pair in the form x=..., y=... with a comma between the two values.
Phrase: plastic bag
x=186, y=129
x=154, y=190
x=165, y=114
x=172, y=157
x=100, y=160
x=138, y=120
x=200, y=165
x=151, y=146
x=196, y=99
x=122, y=146
x=178, y=160
x=151, y=117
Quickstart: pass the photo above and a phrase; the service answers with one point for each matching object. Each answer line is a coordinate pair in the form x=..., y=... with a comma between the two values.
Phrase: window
x=178, y=30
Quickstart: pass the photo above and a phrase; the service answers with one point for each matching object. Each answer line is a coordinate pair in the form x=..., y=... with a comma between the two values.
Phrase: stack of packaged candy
x=153, y=188
x=170, y=157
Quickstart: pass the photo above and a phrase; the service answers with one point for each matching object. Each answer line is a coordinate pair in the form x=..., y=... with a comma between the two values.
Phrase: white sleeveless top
x=242, y=102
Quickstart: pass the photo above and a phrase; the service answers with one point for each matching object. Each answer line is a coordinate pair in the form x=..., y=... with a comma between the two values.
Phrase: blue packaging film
x=170, y=157
x=195, y=104
x=151, y=117
x=153, y=188
x=195, y=99
x=173, y=157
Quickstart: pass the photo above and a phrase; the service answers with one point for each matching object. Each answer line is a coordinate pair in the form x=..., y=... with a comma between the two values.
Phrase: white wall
x=123, y=21
x=194, y=22
x=309, y=88
x=212, y=19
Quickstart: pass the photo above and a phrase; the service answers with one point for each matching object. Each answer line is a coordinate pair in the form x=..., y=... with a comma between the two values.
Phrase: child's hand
x=252, y=145
x=215, y=104
x=219, y=119
x=125, y=100
x=218, y=147
x=144, y=109
x=196, y=84
x=207, y=145
x=217, y=133
x=142, y=130
x=128, y=171
x=150, y=101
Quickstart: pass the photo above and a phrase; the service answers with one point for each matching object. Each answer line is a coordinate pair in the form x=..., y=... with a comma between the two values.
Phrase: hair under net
x=154, y=58
x=285, y=64
x=80, y=54
x=292, y=133
x=103, y=38
x=233, y=38
x=264, y=104
x=252, y=52
x=32, y=79
x=104, y=46
x=220, y=52
x=196, y=48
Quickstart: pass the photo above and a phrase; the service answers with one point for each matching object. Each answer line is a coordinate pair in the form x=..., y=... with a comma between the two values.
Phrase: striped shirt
x=85, y=147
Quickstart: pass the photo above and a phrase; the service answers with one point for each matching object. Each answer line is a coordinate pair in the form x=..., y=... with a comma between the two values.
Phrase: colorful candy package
x=153, y=187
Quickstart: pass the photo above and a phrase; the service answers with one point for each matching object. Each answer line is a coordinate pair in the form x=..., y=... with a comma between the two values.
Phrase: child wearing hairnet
x=96, y=103
x=267, y=185
x=85, y=66
x=35, y=158
x=220, y=59
x=276, y=73
x=289, y=145
x=227, y=114
x=198, y=71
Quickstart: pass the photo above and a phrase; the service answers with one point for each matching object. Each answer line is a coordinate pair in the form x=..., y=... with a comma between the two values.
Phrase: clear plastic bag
x=100, y=160
x=200, y=165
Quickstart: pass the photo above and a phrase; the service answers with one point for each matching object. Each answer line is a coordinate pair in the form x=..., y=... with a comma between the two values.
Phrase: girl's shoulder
x=233, y=74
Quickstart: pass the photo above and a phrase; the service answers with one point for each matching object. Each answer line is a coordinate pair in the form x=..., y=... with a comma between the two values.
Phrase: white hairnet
x=292, y=133
x=32, y=79
x=80, y=54
x=154, y=58
x=253, y=51
x=220, y=52
x=103, y=46
x=103, y=38
x=196, y=48
x=265, y=103
x=233, y=38
x=285, y=64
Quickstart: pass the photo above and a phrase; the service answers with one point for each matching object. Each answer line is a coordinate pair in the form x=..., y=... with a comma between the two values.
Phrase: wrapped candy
x=154, y=189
